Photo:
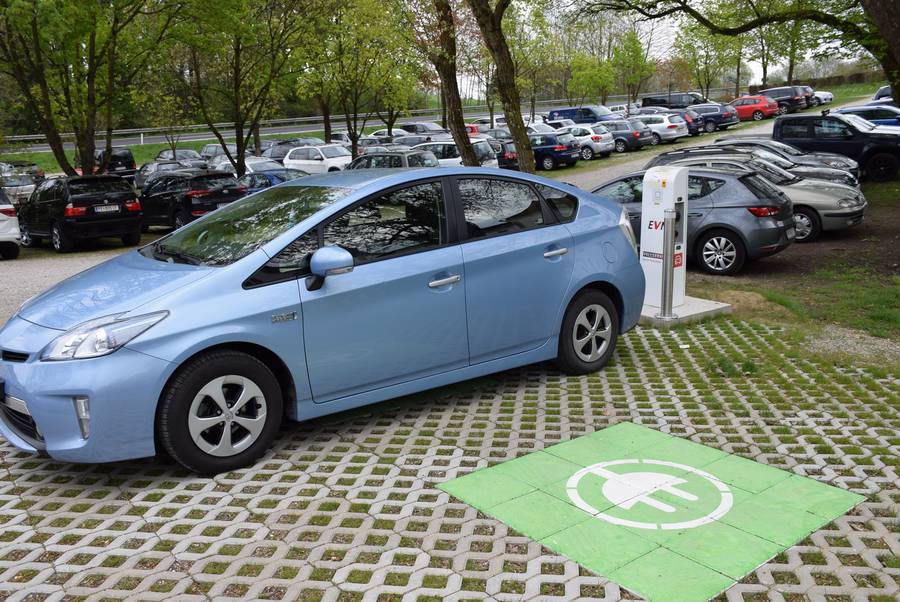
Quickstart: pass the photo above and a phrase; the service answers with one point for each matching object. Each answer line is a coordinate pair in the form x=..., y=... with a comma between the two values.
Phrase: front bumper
x=839, y=220
x=122, y=389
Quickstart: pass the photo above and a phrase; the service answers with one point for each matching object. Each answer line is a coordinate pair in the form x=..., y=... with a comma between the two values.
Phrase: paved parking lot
x=347, y=507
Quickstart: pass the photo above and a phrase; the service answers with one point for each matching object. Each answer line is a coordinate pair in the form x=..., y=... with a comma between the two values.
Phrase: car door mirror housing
x=328, y=261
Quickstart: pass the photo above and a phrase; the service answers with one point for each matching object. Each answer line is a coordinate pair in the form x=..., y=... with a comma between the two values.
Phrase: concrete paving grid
x=347, y=507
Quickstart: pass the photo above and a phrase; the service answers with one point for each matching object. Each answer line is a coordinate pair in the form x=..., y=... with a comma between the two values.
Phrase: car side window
x=829, y=128
x=699, y=187
x=564, y=203
x=299, y=154
x=492, y=207
x=398, y=222
x=794, y=129
x=629, y=190
x=450, y=151
x=247, y=181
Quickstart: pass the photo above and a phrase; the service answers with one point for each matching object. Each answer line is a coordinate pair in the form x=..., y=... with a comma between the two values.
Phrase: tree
x=163, y=99
x=490, y=21
x=591, y=78
x=71, y=59
x=632, y=64
x=239, y=53
x=868, y=24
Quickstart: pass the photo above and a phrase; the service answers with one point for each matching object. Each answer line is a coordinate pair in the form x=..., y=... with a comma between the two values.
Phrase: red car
x=755, y=108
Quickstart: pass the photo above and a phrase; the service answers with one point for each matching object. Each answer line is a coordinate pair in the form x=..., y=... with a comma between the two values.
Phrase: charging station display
x=665, y=187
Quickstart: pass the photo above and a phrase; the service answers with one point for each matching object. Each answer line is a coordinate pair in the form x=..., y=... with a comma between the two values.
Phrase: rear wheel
x=9, y=250
x=220, y=412
x=589, y=331
x=28, y=241
x=709, y=127
x=60, y=241
x=131, y=239
x=720, y=252
x=179, y=220
x=882, y=167
x=807, y=225
x=758, y=116
x=783, y=109
x=548, y=163
x=655, y=139
x=587, y=153
x=621, y=147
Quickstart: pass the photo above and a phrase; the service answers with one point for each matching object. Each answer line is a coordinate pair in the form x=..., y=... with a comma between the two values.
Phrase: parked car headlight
x=99, y=337
x=837, y=163
x=625, y=225
x=847, y=203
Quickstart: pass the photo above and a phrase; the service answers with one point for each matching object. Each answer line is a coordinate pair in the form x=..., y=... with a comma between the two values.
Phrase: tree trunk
x=490, y=22
x=257, y=141
x=737, y=77
x=883, y=14
x=326, y=116
x=444, y=105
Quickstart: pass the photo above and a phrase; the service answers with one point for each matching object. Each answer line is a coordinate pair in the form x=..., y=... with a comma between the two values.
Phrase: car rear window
x=422, y=160
x=638, y=124
x=566, y=204
x=212, y=182
x=98, y=185
x=121, y=153
x=675, y=119
x=760, y=187
x=566, y=138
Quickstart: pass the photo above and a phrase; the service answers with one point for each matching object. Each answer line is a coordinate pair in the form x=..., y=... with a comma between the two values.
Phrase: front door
x=518, y=266
x=834, y=136
x=400, y=314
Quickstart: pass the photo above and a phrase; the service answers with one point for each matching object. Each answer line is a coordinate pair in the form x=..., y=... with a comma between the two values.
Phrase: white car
x=318, y=159
x=448, y=154
x=593, y=139
x=17, y=187
x=252, y=164
x=665, y=127
x=625, y=110
x=383, y=133
x=823, y=96
x=9, y=229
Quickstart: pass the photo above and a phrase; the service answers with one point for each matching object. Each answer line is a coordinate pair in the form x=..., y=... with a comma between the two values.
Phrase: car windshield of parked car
x=242, y=227
x=286, y=175
x=773, y=173
x=542, y=128
x=265, y=165
x=332, y=152
x=773, y=158
x=859, y=122
x=95, y=185
x=422, y=160
x=16, y=180
x=638, y=124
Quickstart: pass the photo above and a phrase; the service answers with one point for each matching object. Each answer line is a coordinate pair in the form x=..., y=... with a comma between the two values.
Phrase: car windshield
x=422, y=160
x=675, y=119
x=16, y=180
x=242, y=227
x=773, y=173
x=331, y=152
x=430, y=127
x=860, y=122
x=91, y=186
x=285, y=175
x=600, y=110
x=599, y=129
x=265, y=165
x=773, y=158
x=483, y=151
x=186, y=153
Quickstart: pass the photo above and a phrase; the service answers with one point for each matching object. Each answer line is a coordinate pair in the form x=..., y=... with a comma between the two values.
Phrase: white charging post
x=664, y=239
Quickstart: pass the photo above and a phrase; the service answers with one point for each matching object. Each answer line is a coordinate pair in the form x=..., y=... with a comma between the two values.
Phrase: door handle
x=695, y=215
x=633, y=215
x=556, y=252
x=444, y=281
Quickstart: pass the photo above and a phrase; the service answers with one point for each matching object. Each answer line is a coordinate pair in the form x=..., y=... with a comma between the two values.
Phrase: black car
x=788, y=98
x=148, y=169
x=809, y=95
x=175, y=198
x=508, y=157
x=714, y=116
x=70, y=209
x=629, y=134
x=876, y=148
x=121, y=162
x=674, y=100
x=187, y=155
x=394, y=159
x=426, y=128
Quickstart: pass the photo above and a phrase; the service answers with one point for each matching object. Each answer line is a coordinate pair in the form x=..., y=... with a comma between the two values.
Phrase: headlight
x=625, y=225
x=836, y=163
x=847, y=203
x=99, y=337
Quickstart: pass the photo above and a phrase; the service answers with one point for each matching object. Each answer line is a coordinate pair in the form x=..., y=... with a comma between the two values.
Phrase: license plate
x=118, y=167
x=790, y=234
x=220, y=205
x=106, y=208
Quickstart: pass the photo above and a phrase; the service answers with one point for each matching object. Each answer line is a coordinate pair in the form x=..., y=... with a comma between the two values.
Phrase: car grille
x=13, y=356
x=22, y=423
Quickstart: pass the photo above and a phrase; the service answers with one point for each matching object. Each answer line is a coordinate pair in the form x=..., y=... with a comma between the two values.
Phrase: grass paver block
x=665, y=517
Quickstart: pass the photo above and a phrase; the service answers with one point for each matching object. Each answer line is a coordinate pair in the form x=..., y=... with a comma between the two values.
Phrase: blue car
x=260, y=180
x=323, y=294
x=882, y=114
x=554, y=149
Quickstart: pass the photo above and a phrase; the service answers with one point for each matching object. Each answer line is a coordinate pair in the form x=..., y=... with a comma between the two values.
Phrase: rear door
x=518, y=263
x=152, y=202
x=835, y=136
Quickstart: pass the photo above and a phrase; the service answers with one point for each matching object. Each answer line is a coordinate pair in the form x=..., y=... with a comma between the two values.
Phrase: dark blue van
x=584, y=114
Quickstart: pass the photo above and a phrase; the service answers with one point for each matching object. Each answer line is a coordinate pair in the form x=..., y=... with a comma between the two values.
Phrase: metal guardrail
x=471, y=110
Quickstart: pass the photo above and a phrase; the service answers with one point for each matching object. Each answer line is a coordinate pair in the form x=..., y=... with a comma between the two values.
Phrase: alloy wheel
x=227, y=415
x=55, y=238
x=25, y=237
x=620, y=146
x=591, y=333
x=587, y=154
x=719, y=253
x=655, y=139
x=757, y=116
x=547, y=163
x=803, y=227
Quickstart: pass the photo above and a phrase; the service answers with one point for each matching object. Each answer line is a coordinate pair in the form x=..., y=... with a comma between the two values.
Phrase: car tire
x=186, y=422
x=783, y=109
x=758, y=116
x=144, y=228
x=548, y=163
x=9, y=250
x=709, y=127
x=27, y=240
x=882, y=167
x=132, y=238
x=720, y=252
x=61, y=243
x=621, y=147
x=588, y=335
x=807, y=224
x=655, y=139
x=179, y=220
x=587, y=153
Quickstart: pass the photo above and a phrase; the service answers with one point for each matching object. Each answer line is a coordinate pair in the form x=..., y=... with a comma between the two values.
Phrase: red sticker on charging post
x=679, y=260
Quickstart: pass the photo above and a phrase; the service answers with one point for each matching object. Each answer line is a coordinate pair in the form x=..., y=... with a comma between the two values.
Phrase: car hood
x=823, y=173
x=822, y=188
x=116, y=286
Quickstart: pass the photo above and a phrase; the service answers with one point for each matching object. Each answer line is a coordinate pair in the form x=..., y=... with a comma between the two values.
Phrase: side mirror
x=848, y=134
x=328, y=261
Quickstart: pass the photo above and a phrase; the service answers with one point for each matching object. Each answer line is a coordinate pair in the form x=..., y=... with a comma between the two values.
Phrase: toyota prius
x=315, y=296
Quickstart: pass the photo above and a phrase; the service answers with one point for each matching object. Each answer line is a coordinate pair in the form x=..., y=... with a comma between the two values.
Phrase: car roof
x=694, y=171
x=94, y=177
x=191, y=172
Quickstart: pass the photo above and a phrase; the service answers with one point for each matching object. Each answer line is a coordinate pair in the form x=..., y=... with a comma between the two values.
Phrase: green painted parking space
x=662, y=516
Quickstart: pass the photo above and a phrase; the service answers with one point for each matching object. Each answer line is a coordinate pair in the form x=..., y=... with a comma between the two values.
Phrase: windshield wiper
x=173, y=254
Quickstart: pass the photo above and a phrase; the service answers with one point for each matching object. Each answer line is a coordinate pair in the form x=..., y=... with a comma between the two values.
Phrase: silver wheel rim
x=26, y=237
x=587, y=154
x=179, y=221
x=55, y=237
x=548, y=163
x=719, y=253
x=655, y=139
x=802, y=226
x=620, y=147
x=757, y=116
x=591, y=333
x=227, y=415
x=710, y=127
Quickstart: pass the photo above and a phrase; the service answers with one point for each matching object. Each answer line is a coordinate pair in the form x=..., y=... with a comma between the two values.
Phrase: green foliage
x=632, y=64
x=591, y=78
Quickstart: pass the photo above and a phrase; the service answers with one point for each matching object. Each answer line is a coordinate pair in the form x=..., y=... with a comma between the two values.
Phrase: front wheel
x=548, y=163
x=589, y=331
x=655, y=139
x=709, y=127
x=60, y=241
x=783, y=109
x=807, y=225
x=721, y=253
x=27, y=240
x=621, y=147
x=220, y=412
x=882, y=167
x=758, y=116
x=587, y=153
